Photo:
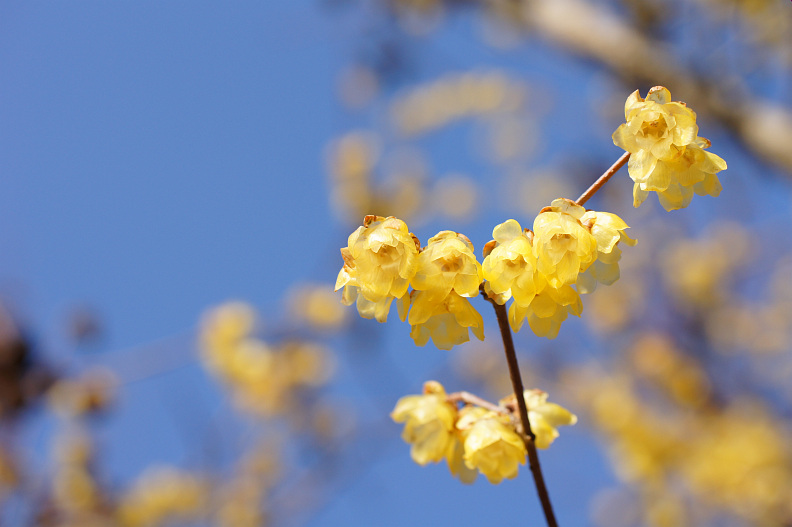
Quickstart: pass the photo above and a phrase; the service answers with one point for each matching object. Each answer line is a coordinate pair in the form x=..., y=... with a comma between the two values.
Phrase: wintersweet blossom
x=667, y=156
x=694, y=170
x=379, y=262
x=562, y=245
x=428, y=423
x=608, y=229
x=546, y=417
x=547, y=311
x=655, y=126
x=491, y=444
x=447, y=264
x=510, y=266
x=446, y=322
x=456, y=461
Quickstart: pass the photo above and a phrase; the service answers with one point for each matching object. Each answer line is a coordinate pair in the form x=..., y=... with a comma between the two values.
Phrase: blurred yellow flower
x=491, y=444
x=456, y=462
x=379, y=262
x=263, y=379
x=317, y=307
x=163, y=494
x=428, y=423
x=546, y=417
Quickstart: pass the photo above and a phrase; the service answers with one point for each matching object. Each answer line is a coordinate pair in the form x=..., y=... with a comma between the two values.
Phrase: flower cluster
x=383, y=259
x=568, y=252
x=161, y=495
x=667, y=155
x=475, y=439
x=264, y=379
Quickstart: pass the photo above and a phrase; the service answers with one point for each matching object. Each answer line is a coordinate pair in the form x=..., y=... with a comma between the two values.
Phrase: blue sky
x=158, y=158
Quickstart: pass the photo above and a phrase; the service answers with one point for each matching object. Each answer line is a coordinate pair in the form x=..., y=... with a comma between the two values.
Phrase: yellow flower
x=428, y=423
x=510, y=266
x=546, y=417
x=225, y=326
x=446, y=321
x=448, y=264
x=655, y=125
x=562, y=245
x=379, y=262
x=456, y=461
x=608, y=230
x=491, y=444
x=667, y=156
x=163, y=494
x=693, y=170
x=548, y=309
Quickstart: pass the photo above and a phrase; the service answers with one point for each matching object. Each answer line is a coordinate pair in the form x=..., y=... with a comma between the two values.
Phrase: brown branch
x=603, y=179
x=469, y=398
x=528, y=435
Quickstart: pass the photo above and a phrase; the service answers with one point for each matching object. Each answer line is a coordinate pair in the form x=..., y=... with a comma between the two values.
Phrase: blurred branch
x=594, y=33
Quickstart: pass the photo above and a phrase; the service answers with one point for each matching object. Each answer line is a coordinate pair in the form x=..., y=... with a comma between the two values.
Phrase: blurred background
x=177, y=175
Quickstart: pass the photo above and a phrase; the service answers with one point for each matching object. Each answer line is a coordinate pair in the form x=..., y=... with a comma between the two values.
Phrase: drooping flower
x=546, y=417
x=446, y=322
x=379, y=262
x=510, y=266
x=548, y=309
x=491, y=444
x=694, y=170
x=608, y=229
x=428, y=423
x=456, y=461
x=562, y=245
x=447, y=264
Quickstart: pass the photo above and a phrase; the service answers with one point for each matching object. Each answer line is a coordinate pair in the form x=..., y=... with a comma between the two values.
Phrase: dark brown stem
x=469, y=398
x=603, y=179
x=528, y=435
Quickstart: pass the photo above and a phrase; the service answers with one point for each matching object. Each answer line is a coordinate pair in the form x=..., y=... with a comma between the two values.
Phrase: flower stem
x=603, y=179
x=528, y=435
x=469, y=398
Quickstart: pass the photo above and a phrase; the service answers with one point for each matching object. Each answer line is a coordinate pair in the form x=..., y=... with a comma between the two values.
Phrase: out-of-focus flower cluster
x=667, y=155
x=264, y=379
x=164, y=495
x=404, y=189
x=569, y=252
x=665, y=426
x=472, y=94
x=475, y=439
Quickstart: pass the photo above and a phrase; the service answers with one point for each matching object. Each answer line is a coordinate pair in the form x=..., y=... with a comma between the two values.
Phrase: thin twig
x=528, y=435
x=603, y=179
x=469, y=398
